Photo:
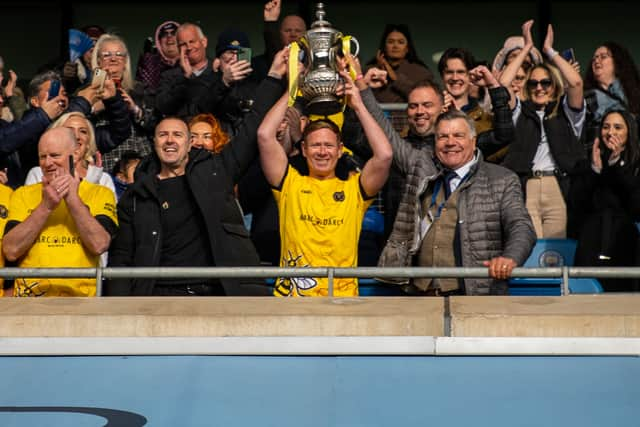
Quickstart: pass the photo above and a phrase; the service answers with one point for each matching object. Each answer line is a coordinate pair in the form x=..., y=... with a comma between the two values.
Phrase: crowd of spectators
x=189, y=160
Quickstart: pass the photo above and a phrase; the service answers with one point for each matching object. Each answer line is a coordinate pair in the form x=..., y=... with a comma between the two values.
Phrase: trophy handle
x=355, y=41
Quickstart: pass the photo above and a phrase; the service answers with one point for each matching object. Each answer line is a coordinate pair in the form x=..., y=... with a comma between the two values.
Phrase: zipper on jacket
x=156, y=246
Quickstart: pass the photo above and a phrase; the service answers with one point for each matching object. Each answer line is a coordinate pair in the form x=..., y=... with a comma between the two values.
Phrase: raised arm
x=272, y=156
x=575, y=97
x=509, y=72
x=402, y=152
x=376, y=170
x=243, y=149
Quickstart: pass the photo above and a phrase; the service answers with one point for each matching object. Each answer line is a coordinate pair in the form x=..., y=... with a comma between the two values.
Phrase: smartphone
x=244, y=53
x=568, y=54
x=54, y=89
x=71, y=166
x=99, y=76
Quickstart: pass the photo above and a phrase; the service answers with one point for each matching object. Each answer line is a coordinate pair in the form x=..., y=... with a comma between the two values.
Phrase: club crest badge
x=338, y=196
x=4, y=212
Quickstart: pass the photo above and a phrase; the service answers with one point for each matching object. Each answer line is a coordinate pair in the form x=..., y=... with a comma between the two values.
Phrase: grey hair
x=186, y=25
x=457, y=114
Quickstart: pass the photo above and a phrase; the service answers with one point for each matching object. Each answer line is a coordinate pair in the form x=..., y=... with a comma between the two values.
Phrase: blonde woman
x=546, y=151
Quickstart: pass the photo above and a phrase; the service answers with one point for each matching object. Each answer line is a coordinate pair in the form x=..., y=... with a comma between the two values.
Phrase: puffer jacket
x=492, y=221
x=492, y=216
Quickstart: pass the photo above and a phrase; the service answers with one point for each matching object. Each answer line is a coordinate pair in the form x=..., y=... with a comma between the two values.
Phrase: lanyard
x=436, y=190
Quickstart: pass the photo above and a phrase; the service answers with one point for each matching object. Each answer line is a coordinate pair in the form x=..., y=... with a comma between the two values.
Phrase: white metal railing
x=330, y=272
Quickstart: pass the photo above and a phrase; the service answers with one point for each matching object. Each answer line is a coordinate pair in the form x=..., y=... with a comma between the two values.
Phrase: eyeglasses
x=117, y=55
x=545, y=83
x=600, y=57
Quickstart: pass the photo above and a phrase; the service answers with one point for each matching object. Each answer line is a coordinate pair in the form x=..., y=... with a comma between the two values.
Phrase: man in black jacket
x=181, y=210
x=180, y=88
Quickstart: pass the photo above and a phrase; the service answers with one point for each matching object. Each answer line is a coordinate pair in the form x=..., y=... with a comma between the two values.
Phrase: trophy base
x=324, y=106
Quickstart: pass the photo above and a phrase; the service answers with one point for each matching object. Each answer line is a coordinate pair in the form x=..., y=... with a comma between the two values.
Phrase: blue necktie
x=448, y=176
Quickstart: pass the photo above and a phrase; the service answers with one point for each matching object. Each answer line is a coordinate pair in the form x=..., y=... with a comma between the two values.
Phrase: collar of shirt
x=197, y=73
x=462, y=171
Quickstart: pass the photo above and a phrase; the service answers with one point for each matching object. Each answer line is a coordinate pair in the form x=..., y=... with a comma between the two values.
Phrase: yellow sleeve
x=5, y=200
x=289, y=174
x=103, y=202
x=19, y=208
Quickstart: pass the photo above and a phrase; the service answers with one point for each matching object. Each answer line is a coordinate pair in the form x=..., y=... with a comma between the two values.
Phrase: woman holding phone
x=111, y=55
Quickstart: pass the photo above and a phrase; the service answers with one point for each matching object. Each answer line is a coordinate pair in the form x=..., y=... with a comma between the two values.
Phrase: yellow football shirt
x=320, y=223
x=59, y=244
x=5, y=197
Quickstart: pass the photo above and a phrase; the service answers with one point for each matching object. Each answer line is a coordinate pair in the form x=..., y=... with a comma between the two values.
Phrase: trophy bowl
x=319, y=87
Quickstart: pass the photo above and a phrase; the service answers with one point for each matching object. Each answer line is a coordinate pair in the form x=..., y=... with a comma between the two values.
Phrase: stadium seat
x=552, y=253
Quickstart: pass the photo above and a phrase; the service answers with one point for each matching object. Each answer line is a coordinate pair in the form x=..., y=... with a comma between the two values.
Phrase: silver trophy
x=320, y=80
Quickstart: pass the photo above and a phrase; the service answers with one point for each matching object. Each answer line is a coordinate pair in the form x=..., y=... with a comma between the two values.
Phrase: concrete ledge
x=220, y=317
x=570, y=316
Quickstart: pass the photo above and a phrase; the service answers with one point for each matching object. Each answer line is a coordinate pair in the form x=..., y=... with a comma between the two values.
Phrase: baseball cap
x=231, y=38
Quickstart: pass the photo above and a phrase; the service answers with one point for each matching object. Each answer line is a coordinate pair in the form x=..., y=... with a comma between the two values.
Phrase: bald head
x=291, y=29
x=54, y=149
x=64, y=136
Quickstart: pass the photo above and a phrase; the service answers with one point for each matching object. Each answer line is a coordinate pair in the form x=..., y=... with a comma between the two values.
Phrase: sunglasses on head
x=167, y=33
x=545, y=83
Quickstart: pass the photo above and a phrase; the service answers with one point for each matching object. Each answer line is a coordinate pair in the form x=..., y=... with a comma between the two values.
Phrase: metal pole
x=330, y=279
x=565, y=281
x=99, y=281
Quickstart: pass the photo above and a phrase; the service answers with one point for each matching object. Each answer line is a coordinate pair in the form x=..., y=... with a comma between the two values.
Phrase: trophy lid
x=320, y=25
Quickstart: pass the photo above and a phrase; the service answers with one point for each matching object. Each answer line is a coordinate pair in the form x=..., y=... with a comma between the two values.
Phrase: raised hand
x=271, y=11
x=526, y=34
x=234, y=71
x=11, y=84
x=187, y=70
x=279, y=66
x=481, y=76
x=54, y=190
x=548, y=40
x=54, y=107
x=448, y=101
x=109, y=89
x=375, y=77
x=350, y=90
x=615, y=144
x=596, y=160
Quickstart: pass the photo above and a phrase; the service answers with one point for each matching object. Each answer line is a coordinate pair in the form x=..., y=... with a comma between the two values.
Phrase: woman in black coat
x=608, y=199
